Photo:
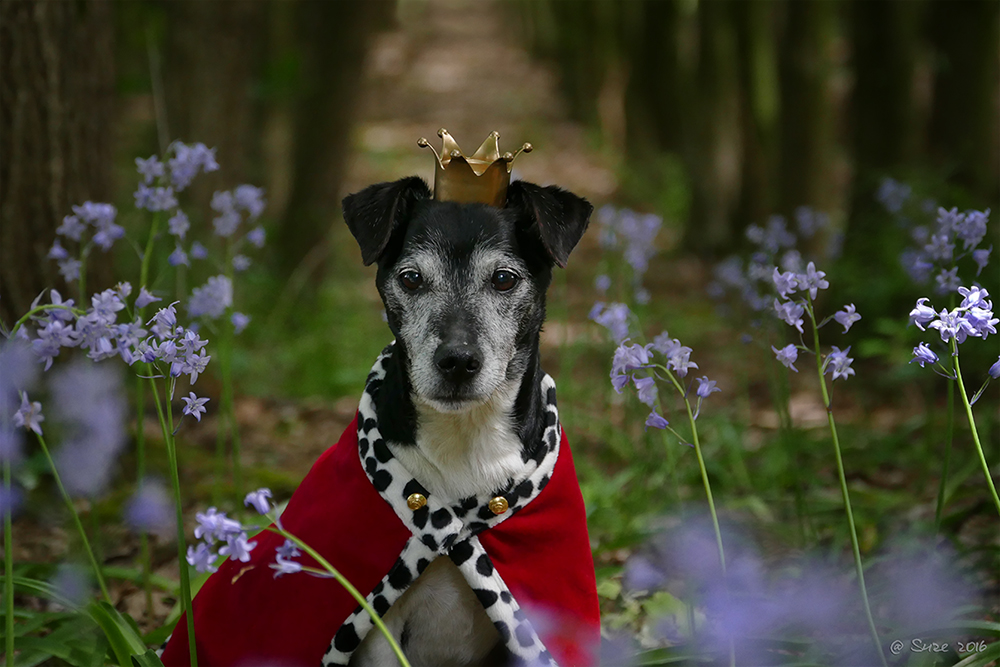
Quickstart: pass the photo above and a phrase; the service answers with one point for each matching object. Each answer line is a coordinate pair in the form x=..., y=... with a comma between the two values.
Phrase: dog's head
x=464, y=284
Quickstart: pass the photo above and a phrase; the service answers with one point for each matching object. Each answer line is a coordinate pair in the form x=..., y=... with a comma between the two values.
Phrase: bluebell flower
x=72, y=583
x=202, y=558
x=145, y=298
x=791, y=312
x=839, y=363
x=923, y=355
x=69, y=269
x=194, y=406
x=257, y=236
x=646, y=390
x=786, y=283
x=953, y=324
x=258, y=500
x=151, y=168
x=71, y=228
x=164, y=322
x=642, y=296
x=178, y=224
x=975, y=297
x=787, y=356
x=240, y=322
x=656, y=421
x=792, y=261
x=893, y=195
x=52, y=337
x=812, y=280
x=982, y=321
x=847, y=317
x=188, y=161
x=29, y=415
x=922, y=313
x=283, y=565
x=250, y=199
x=150, y=509
x=211, y=299
x=241, y=263
x=940, y=248
x=809, y=221
x=88, y=400
x=947, y=280
x=995, y=370
x=602, y=283
x=178, y=257
x=981, y=257
x=972, y=228
x=57, y=252
x=613, y=317
x=227, y=223
x=198, y=251
x=238, y=547
x=214, y=526
x=679, y=360
x=948, y=220
x=706, y=387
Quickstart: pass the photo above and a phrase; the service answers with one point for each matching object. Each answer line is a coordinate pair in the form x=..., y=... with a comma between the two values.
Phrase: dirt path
x=460, y=65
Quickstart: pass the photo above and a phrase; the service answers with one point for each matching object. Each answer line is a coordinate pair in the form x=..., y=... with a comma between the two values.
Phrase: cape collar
x=439, y=520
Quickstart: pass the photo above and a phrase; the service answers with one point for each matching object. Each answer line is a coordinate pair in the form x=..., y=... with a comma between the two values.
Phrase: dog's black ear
x=376, y=212
x=559, y=217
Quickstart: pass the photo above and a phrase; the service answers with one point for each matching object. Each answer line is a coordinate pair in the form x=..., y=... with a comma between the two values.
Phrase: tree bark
x=334, y=38
x=964, y=134
x=57, y=103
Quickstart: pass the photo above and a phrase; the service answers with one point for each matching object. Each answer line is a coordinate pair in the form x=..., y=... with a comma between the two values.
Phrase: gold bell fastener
x=499, y=505
x=415, y=501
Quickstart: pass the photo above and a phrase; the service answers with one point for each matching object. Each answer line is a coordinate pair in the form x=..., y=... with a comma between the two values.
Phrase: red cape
x=245, y=617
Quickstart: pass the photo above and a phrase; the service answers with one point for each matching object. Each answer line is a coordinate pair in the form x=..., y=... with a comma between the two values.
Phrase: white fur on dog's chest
x=460, y=454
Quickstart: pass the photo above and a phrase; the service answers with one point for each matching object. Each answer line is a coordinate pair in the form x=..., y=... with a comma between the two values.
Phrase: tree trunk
x=964, y=135
x=57, y=103
x=334, y=38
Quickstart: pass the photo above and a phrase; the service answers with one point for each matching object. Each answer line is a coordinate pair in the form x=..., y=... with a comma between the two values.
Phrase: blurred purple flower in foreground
x=88, y=402
x=150, y=510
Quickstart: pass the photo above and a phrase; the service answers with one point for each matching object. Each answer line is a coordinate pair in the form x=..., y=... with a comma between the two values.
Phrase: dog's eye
x=411, y=280
x=503, y=280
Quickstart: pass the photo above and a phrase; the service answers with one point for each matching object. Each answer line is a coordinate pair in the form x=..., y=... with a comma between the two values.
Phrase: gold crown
x=482, y=178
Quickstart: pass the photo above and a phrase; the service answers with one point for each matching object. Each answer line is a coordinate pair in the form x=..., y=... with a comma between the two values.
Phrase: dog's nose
x=458, y=362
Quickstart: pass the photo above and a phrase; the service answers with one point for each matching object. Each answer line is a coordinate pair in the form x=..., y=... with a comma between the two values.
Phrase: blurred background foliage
x=713, y=115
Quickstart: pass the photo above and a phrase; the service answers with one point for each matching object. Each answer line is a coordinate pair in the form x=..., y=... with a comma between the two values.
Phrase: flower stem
x=167, y=424
x=972, y=424
x=8, y=566
x=708, y=493
x=350, y=589
x=39, y=309
x=939, y=507
x=859, y=568
x=76, y=520
x=145, y=561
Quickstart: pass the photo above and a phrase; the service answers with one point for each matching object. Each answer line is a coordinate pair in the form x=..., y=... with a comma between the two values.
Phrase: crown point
x=456, y=153
x=508, y=157
x=422, y=142
x=527, y=148
x=442, y=132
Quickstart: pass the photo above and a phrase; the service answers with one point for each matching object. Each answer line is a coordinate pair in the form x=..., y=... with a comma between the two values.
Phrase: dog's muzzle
x=458, y=362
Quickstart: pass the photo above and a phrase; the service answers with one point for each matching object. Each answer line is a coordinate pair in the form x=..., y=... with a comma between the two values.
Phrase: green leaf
x=147, y=659
x=122, y=638
x=983, y=658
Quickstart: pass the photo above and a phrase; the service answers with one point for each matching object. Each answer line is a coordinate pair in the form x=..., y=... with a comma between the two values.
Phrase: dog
x=450, y=504
x=461, y=408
